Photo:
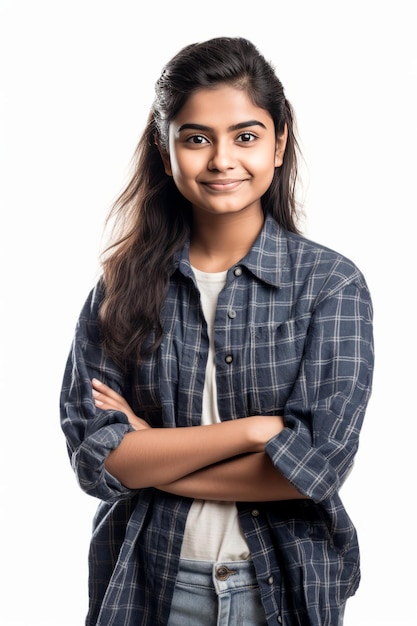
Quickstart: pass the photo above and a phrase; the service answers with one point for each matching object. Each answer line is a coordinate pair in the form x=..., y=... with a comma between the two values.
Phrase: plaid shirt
x=293, y=336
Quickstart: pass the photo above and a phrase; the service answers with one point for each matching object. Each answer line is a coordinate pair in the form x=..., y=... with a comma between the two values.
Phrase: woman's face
x=223, y=151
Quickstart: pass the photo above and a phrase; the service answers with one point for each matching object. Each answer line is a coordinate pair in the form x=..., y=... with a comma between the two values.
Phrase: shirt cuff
x=88, y=463
x=303, y=465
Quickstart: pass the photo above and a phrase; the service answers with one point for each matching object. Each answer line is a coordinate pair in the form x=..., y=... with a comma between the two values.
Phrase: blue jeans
x=222, y=594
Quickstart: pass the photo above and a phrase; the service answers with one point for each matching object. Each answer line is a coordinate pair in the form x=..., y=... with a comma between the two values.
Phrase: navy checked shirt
x=293, y=336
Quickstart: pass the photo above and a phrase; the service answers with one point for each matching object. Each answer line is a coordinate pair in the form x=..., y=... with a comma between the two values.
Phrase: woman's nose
x=222, y=157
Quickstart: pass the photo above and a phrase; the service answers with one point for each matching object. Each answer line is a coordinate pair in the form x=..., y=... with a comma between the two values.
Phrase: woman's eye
x=198, y=139
x=246, y=137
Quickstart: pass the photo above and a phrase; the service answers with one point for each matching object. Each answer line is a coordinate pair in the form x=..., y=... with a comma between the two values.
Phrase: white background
x=76, y=86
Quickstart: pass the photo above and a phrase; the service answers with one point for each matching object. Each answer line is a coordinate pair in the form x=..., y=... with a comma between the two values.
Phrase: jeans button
x=223, y=572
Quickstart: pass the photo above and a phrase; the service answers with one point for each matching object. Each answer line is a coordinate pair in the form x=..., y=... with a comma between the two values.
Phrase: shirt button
x=271, y=580
x=279, y=619
x=228, y=358
x=231, y=313
x=238, y=271
x=255, y=513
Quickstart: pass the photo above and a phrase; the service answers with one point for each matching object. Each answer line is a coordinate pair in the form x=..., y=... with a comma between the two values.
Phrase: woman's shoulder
x=322, y=261
x=94, y=298
x=303, y=243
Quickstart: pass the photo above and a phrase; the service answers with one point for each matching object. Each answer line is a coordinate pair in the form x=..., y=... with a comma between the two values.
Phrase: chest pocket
x=275, y=354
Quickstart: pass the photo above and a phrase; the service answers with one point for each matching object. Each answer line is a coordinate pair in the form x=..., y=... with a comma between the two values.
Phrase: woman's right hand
x=262, y=428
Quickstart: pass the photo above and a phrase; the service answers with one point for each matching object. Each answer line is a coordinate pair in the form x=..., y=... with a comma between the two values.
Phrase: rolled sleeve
x=88, y=463
x=325, y=411
x=91, y=434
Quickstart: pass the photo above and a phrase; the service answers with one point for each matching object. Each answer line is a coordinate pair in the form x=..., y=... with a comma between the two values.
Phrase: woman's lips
x=223, y=185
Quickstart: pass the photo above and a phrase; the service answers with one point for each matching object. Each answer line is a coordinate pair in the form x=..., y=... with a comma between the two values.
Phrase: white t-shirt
x=213, y=531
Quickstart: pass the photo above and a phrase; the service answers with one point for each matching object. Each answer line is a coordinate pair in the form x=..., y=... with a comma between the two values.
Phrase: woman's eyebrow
x=246, y=124
x=231, y=128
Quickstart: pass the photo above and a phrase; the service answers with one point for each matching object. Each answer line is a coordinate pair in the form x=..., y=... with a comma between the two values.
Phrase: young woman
x=220, y=370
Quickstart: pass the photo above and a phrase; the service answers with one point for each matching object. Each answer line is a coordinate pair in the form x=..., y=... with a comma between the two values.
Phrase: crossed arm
x=224, y=461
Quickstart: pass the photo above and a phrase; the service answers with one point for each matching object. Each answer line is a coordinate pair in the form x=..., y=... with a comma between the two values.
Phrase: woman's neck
x=220, y=241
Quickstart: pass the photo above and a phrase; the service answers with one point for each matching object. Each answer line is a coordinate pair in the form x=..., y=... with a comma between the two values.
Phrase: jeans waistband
x=221, y=575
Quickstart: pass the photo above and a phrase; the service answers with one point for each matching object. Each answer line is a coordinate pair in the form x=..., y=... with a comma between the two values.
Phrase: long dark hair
x=151, y=219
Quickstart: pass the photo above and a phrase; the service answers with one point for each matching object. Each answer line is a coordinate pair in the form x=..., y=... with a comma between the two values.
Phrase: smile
x=223, y=185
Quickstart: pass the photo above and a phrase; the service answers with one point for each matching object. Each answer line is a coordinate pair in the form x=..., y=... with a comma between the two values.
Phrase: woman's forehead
x=223, y=105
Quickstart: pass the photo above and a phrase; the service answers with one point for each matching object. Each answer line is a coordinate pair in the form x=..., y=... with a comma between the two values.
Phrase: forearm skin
x=156, y=456
x=249, y=478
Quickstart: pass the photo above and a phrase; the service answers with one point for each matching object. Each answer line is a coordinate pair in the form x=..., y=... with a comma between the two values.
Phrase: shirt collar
x=266, y=258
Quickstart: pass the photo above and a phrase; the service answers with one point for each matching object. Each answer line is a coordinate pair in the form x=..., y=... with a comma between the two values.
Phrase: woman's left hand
x=107, y=398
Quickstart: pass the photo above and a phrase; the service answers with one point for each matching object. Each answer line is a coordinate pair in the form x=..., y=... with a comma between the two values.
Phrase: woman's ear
x=164, y=156
x=280, y=147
